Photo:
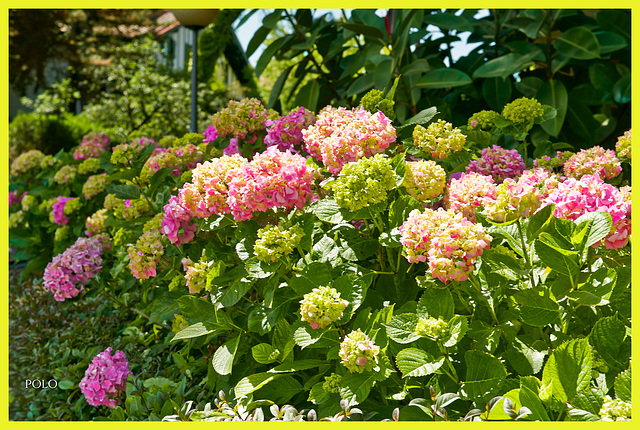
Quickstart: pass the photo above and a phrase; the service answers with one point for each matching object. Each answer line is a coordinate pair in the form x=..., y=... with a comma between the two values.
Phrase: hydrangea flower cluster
x=424, y=179
x=439, y=139
x=615, y=410
x=450, y=242
x=176, y=224
x=272, y=179
x=94, y=224
x=28, y=202
x=15, y=198
x=95, y=185
x=61, y=233
x=242, y=119
x=340, y=136
x=514, y=199
x=332, y=383
x=57, y=215
x=93, y=145
x=286, y=132
x=573, y=198
x=274, y=242
x=145, y=254
x=469, y=192
x=623, y=145
x=126, y=209
x=554, y=163
x=196, y=275
x=364, y=182
x=358, y=352
x=160, y=158
x=26, y=162
x=48, y=161
x=498, y=163
x=543, y=179
x=232, y=148
x=208, y=192
x=105, y=378
x=67, y=273
x=322, y=306
x=374, y=101
x=66, y=174
x=90, y=165
x=595, y=160
x=433, y=328
x=523, y=110
x=16, y=218
x=483, y=120
x=210, y=134
x=125, y=152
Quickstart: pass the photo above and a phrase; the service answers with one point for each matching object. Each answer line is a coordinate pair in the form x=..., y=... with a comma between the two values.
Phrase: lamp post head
x=195, y=18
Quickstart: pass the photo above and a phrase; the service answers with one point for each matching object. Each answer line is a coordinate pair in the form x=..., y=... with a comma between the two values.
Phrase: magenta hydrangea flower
x=233, y=148
x=469, y=192
x=340, y=136
x=105, y=378
x=58, y=210
x=93, y=144
x=67, y=273
x=176, y=224
x=286, y=132
x=573, y=198
x=498, y=163
x=272, y=179
x=15, y=198
x=210, y=134
x=595, y=160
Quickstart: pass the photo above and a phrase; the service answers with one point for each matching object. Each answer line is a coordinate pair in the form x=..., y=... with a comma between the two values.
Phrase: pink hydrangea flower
x=469, y=192
x=233, y=147
x=105, y=378
x=286, y=132
x=93, y=144
x=498, y=163
x=58, y=210
x=595, y=160
x=67, y=273
x=145, y=255
x=176, y=224
x=340, y=136
x=15, y=198
x=210, y=134
x=573, y=198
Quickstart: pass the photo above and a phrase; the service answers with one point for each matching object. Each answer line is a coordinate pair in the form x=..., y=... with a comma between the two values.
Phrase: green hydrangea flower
x=331, y=383
x=439, y=139
x=322, y=306
x=48, y=161
x=274, y=242
x=433, y=328
x=90, y=165
x=523, y=110
x=364, y=183
x=483, y=120
x=358, y=352
x=61, y=233
x=72, y=205
x=66, y=174
x=615, y=410
x=16, y=218
x=375, y=101
x=28, y=202
x=424, y=179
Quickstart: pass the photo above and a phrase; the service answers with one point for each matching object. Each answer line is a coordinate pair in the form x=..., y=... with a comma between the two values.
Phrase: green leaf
x=418, y=67
x=327, y=210
x=610, y=41
x=382, y=74
x=264, y=353
x=504, y=265
x=402, y=328
x=258, y=38
x=308, y=95
x=496, y=92
x=158, y=382
x=195, y=310
x=554, y=93
x=436, y=303
x=314, y=275
x=581, y=120
x=251, y=383
x=295, y=366
x=558, y=259
x=597, y=290
x=365, y=30
x=622, y=386
x=305, y=336
x=236, y=291
x=267, y=54
x=607, y=337
x=504, y=66
x=414, y=362
x=536, y=307
x=448, y=21
x=578, y=43
x=421, y=117
x=124, y=192
x=529, y=387
x=282, y=338
x=567, y=372
x=585, y=406
x=355, y=387
x=223, y=357
x=277, y=87
x=484, y=378
x=622, y=90
x=529, y=86
x=592, y=228
x=618, y=21
x=457, y=327
x=195, y=330
x=282, y=391
x=444, y=78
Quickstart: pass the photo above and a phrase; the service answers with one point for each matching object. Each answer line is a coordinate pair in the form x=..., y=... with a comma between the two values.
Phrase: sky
x=245, y=33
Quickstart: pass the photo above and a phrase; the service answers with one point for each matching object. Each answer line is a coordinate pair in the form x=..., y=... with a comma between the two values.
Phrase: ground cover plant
x=337, y=264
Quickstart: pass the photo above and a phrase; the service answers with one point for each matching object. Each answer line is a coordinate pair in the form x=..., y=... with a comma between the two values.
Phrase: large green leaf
x=327, y=210
x=436, y=303
x=382, y=74
x=607, y=337
x=618, y=21
x=561, y=260
x=554, y=93
x=579, y=43
x=496, y=92
x=504, y=66
x=236, y=291
x=622, y=386
x=622, y=89
x=414, y=362
x=592, y=228
x=251, y=383
x=443, y=78
x=536, y=307
x=567, y=372
x=448, y=21
x=295, y=366
x=314, y=275
x=195, y=330
x=421, y=117
x=277, y=87
x=402, y=328
x=264, y=353
x=610, y=41
x=355, y=387
x=365, y=30
x=124, y=192
x=223, y=357
x=597, y=290
x=529, y=398
x=360, y=85
x=308, y=95
x=484, y=378
x=581, y=120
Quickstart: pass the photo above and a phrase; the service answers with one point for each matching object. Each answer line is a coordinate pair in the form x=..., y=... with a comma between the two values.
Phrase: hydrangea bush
x=344, y=265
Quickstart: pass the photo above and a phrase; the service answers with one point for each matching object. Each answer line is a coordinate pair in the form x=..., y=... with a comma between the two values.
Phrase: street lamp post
x=195, y=19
